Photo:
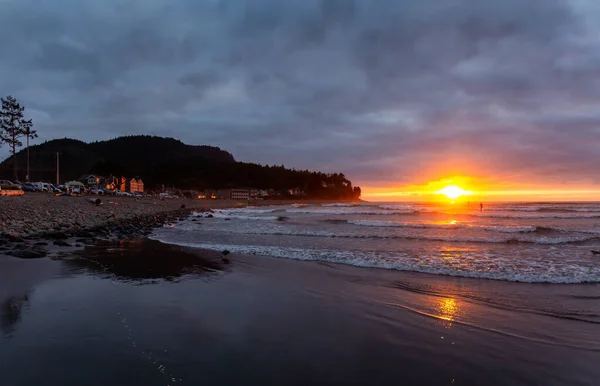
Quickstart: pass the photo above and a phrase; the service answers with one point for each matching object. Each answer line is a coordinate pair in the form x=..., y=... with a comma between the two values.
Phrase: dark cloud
x=391, y=91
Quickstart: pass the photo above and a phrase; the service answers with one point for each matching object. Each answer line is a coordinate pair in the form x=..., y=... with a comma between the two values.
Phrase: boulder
x=27, y=254
x=61, y=243
x=57, y=235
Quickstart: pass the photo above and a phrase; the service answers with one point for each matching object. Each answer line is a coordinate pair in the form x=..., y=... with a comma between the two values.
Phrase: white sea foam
x=243, y=217
x=463, y=264
x=248, y=209
x=396, y=207
x=341, y=204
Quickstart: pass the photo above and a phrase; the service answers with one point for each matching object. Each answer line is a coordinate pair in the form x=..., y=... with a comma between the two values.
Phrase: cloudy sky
x=390, y=92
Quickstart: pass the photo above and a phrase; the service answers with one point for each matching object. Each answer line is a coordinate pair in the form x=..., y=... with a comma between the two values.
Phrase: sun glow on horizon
x=459, y=187
x=453, y=192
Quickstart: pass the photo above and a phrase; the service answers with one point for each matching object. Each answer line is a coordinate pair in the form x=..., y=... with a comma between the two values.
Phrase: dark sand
x=145, y=313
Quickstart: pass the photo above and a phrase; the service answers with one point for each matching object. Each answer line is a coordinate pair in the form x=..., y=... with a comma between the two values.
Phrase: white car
x=7, y=182
x=122, y=193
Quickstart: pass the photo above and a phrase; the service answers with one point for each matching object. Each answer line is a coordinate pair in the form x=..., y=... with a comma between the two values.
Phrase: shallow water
x=535, y=243
x=146, y=313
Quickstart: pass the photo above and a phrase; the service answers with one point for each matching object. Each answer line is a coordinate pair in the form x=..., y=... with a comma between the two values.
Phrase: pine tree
x=14, y=126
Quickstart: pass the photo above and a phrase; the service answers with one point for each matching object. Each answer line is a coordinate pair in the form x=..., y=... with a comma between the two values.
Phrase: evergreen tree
x=13, y=127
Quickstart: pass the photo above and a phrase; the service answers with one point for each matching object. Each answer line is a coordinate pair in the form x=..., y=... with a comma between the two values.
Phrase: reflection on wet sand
x=142, y=260
x=10, y=312
x=448, y=309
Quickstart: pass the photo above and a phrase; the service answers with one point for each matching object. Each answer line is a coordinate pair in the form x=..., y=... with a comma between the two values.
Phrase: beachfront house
x=136, y=185
x=91, y=180
x=140, y=185
x=123, y=184
x=240, y=194
x=233, y=194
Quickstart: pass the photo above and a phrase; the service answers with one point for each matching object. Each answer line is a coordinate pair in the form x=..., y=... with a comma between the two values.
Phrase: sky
x=393, y=93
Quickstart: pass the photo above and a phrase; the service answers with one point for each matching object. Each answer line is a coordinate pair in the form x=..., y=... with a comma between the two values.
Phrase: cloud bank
x=389, y=92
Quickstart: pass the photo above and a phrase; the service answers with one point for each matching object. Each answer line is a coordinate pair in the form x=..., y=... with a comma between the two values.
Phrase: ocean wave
x=345, y=204
x=470, y=265
x=535, y=216
x=501, y=229
x=393, y=207
x=395, y=224
x=513, y=239
x=553, y=209
x=243, y=217
x=248, y=209
x=351, y=211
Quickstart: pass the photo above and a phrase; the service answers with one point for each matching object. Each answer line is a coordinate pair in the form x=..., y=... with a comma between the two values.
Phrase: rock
x=27, y=254
x=61, y=243
x=210, y=216
x=227, y=219
x=15, y=239
x=41, y=243
x=85, y=234
x=57, y=235
x=39, y=249
x=225, y=252
x=20, y=246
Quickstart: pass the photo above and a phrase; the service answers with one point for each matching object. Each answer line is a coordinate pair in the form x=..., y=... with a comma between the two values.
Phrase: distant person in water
x=481, y=206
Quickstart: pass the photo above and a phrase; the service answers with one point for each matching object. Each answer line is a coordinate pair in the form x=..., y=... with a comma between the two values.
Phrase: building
x=124, y=184
x=232, y=194
x=136, y=185
x=240, y=194
x=92, y=180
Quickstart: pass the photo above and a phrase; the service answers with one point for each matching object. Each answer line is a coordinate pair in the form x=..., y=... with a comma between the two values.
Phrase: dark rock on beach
x=27, y=254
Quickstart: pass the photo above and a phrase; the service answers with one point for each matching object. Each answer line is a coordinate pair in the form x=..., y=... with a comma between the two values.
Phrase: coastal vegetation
x=14, y=127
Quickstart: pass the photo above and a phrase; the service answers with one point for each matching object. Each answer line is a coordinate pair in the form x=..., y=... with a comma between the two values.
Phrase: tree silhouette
x=14, y=126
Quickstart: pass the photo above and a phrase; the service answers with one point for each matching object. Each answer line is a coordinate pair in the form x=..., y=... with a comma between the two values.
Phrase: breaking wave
x=470, y=265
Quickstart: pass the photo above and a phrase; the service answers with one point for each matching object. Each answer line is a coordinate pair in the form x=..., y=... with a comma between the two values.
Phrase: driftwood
x=95, y=201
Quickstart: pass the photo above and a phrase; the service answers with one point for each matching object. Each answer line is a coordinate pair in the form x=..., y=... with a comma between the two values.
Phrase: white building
x=240, y=194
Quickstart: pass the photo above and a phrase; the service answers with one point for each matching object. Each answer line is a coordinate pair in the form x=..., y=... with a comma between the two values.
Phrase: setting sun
x=453, y=192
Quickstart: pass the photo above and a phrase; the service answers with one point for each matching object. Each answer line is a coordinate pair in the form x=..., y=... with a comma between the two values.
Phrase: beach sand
x=146, y=313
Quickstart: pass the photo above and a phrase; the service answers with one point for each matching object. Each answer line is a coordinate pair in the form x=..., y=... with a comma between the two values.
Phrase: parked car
x=122, y=193
x=97, y=191
x=10, y=183
x=30, y=188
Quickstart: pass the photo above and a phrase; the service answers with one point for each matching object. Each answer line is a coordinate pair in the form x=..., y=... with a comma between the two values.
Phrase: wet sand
x=142, y=312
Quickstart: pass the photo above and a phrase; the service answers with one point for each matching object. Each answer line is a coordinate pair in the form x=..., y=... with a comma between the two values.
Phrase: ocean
x=523, y=242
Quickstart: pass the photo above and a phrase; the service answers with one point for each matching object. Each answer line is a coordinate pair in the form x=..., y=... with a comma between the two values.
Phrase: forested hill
x=170, y=162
